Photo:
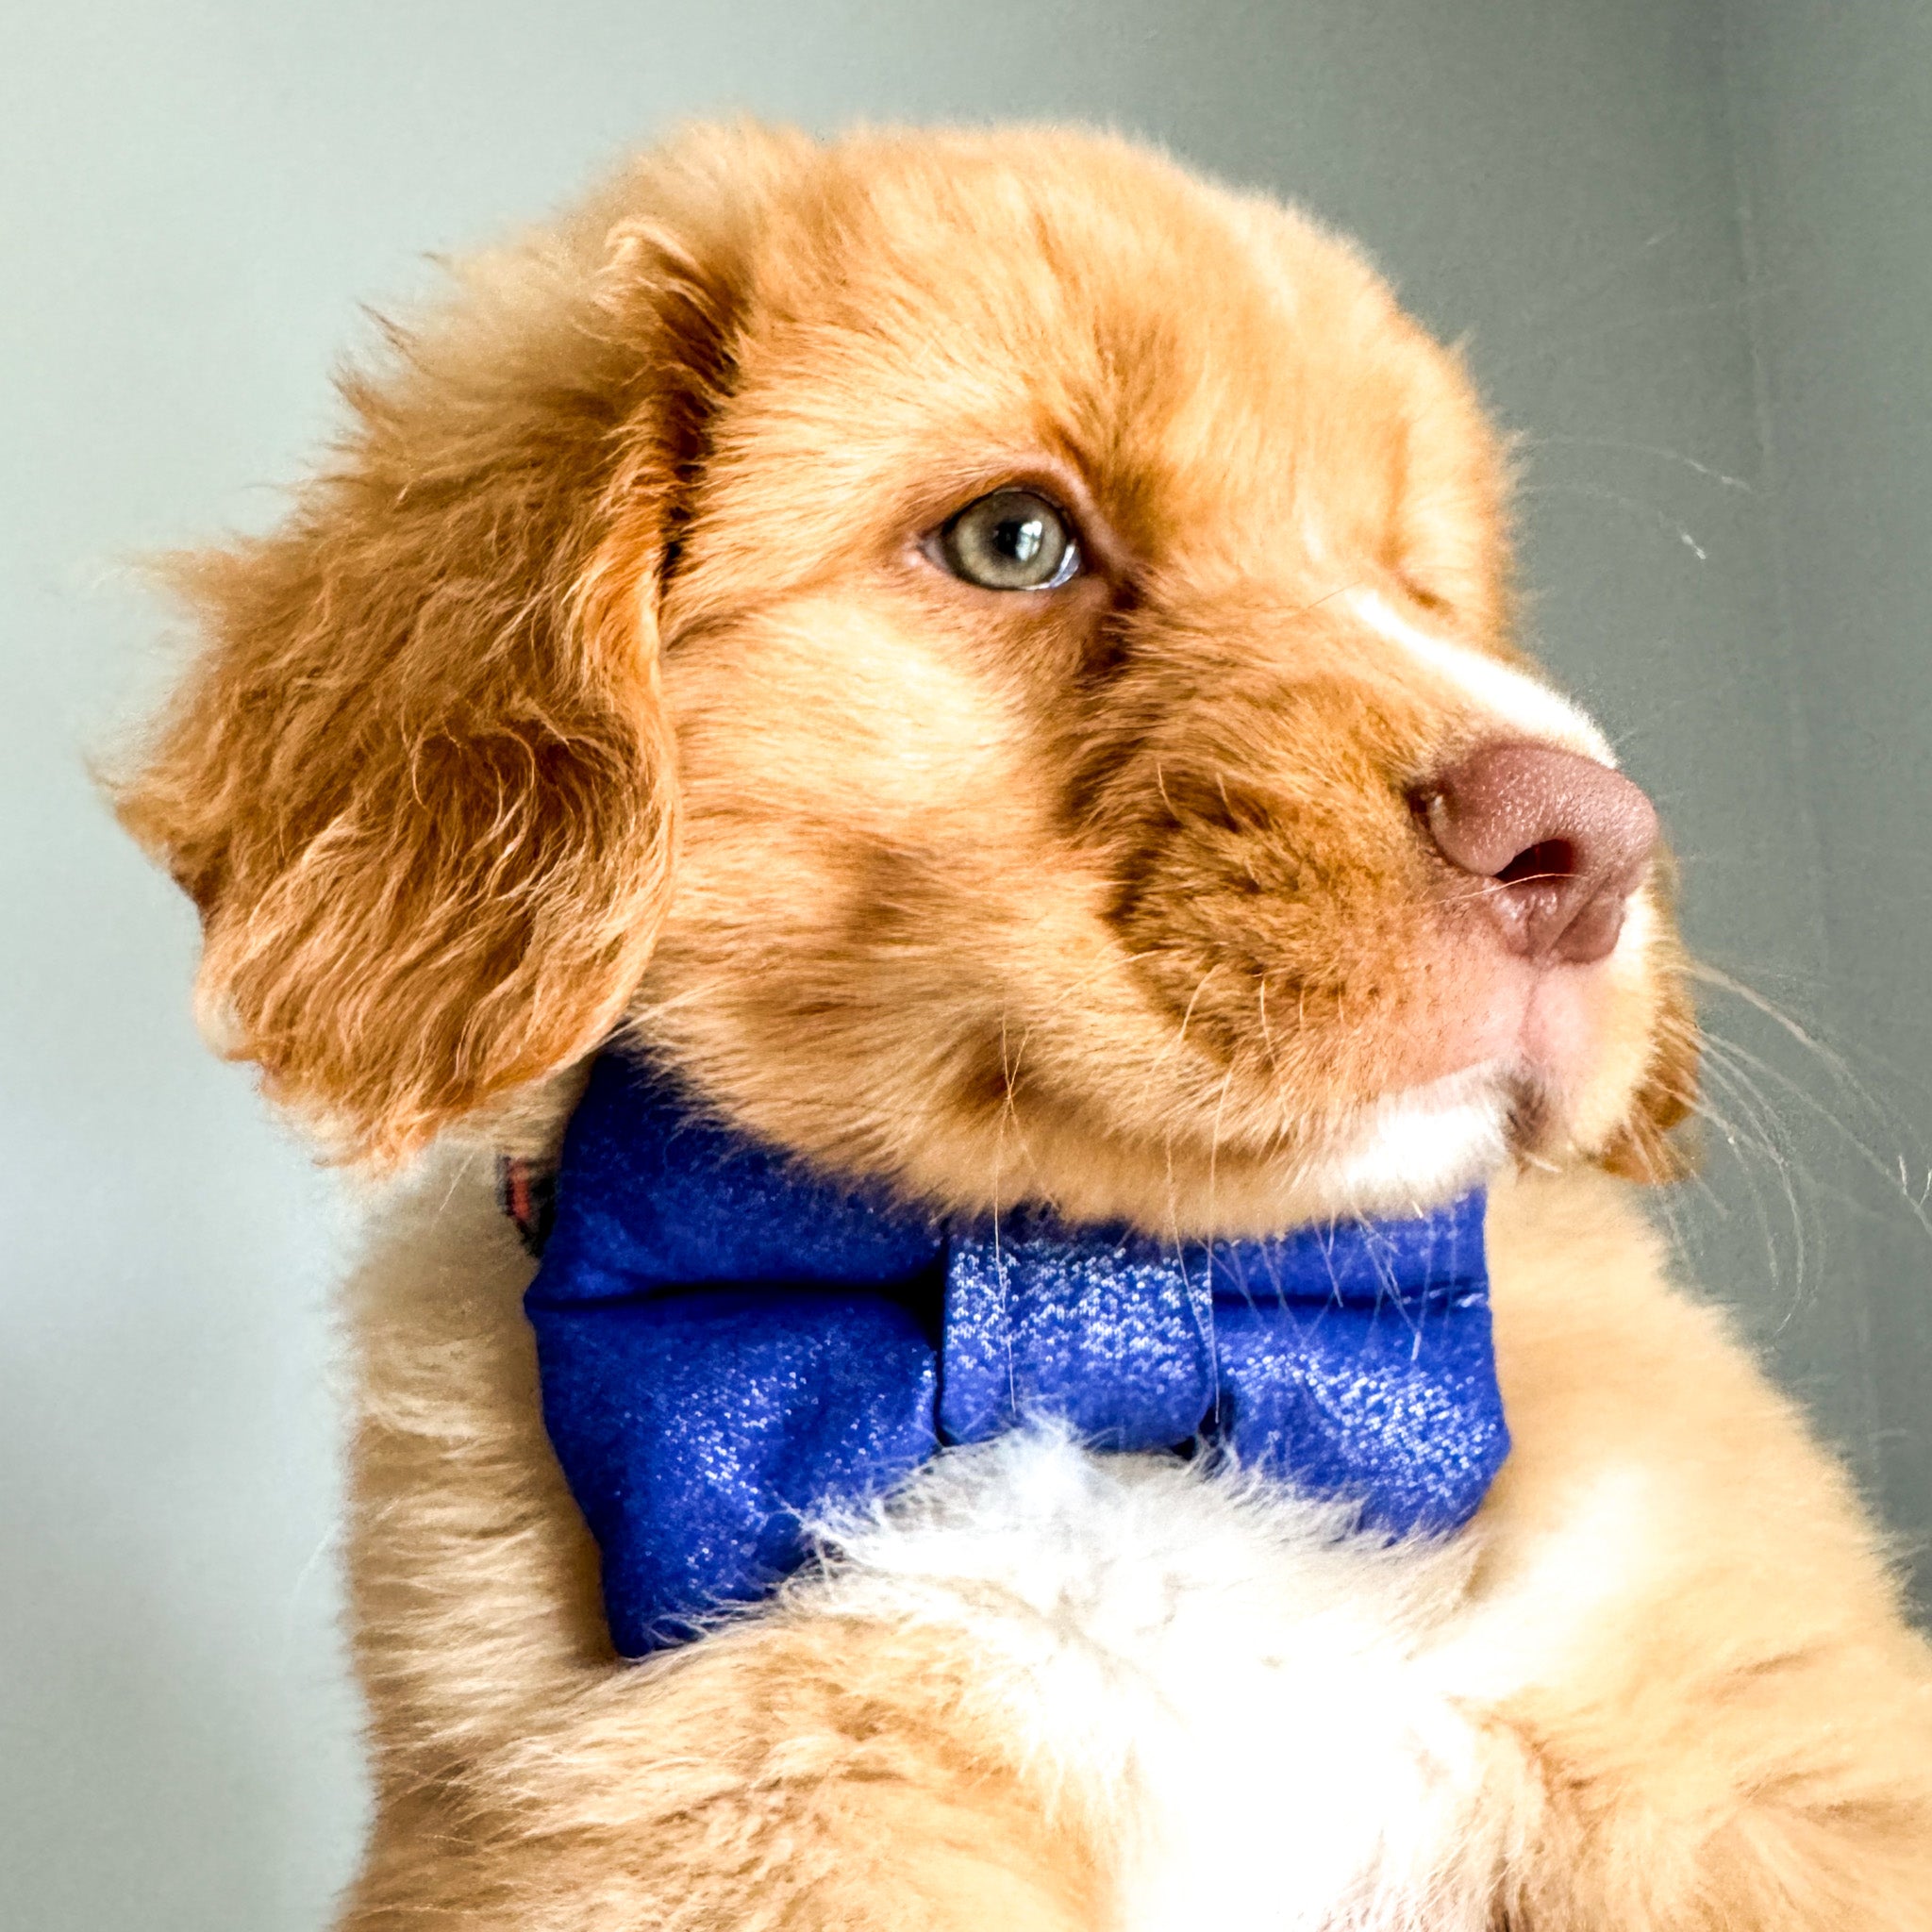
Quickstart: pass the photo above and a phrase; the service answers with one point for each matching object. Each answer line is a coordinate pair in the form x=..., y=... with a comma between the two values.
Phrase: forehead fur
x=921, y=313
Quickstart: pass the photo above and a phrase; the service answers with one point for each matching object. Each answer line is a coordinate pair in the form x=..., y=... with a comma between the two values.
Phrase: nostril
x=1549, y=858
x=1560, y=841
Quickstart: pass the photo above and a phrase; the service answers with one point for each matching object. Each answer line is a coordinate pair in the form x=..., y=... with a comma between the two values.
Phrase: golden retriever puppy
x=990, y=659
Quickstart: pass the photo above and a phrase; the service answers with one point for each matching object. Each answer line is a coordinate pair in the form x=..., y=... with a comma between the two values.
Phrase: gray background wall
x=1689, y=245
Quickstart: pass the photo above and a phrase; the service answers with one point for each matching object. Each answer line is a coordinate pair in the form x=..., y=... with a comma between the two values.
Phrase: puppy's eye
x=1011, y=540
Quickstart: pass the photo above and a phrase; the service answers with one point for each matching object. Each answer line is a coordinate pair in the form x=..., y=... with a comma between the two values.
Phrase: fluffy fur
x=606, y=679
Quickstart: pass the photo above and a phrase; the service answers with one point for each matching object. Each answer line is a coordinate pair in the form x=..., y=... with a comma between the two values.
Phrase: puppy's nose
x=1562, y=841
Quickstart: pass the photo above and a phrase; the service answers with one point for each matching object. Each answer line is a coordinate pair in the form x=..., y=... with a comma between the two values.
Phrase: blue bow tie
x=728, y=1344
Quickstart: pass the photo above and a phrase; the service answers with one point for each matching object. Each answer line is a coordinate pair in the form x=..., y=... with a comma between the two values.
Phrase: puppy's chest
x=1266, y=1714
x=1250, y=1697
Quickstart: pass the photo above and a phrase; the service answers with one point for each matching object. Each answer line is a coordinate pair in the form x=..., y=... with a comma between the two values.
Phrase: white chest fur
x=1235, y=1690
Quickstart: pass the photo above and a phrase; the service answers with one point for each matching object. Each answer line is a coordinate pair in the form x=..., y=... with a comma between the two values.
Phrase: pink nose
x=1562, y=840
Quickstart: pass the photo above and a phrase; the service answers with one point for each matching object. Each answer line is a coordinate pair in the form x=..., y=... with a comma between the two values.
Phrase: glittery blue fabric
x=727, y=1343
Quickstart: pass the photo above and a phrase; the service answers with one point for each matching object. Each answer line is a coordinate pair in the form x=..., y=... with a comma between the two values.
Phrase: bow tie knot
x=728, y=1345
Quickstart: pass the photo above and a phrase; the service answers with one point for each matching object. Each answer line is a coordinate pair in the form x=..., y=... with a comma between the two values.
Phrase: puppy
x=655, y=659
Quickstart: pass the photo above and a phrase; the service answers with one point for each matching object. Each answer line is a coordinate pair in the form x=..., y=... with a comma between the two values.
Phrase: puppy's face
x=1090, y=575
x=1101, y=773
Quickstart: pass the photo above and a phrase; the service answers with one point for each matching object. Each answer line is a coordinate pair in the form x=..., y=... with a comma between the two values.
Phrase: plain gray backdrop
x=1690, y=249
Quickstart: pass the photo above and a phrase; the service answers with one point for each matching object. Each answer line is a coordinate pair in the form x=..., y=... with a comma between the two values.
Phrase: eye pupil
x=1021, y=539
x=1012, y=540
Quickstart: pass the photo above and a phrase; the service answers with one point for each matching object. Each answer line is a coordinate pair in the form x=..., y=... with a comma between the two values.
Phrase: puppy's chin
x=1414, y=1149
x=1405, y=1153
x=1401, y=1154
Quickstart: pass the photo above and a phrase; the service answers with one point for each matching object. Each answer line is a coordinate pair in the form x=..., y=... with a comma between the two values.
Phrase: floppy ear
x=419, y=782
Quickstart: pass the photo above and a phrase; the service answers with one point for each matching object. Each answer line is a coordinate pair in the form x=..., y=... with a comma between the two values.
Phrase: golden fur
x=604, y=679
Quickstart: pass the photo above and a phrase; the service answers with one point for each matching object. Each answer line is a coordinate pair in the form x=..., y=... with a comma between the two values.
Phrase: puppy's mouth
x=1420, y=1146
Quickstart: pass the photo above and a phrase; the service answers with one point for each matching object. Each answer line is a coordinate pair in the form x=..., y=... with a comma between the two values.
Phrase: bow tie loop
x=1105, y=1333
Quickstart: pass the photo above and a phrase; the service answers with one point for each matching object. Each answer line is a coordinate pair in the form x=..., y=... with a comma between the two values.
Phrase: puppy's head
x=987, y=653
